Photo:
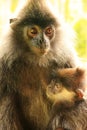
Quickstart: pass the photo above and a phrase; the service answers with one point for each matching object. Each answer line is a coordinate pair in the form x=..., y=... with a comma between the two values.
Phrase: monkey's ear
x=12, y=20
x=80, y=72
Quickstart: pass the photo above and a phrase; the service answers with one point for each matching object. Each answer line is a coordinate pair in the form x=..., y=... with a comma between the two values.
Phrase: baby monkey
x=67, y=93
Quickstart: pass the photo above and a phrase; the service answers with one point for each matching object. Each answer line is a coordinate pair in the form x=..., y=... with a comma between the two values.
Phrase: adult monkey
x=33, y=48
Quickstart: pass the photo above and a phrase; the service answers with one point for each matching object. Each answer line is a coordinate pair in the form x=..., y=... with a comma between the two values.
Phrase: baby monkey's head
x=67, y=87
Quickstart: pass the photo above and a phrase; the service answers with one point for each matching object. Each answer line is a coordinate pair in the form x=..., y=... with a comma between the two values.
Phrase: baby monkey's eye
x=32, y=32
x=49, y=31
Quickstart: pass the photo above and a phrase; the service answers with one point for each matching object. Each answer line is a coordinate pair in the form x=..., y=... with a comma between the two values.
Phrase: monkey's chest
x=33, y=79
x=32, y=102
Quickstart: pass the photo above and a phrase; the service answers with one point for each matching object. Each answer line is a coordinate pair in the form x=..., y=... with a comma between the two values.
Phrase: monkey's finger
x=80, y=94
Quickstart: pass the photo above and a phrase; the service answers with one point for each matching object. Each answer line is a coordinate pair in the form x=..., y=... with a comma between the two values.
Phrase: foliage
x=13, y=5
x=81, y=30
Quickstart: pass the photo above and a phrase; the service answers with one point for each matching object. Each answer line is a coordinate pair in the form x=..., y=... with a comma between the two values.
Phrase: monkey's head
x=67, y=88
x=36, y=25
x=39, y=33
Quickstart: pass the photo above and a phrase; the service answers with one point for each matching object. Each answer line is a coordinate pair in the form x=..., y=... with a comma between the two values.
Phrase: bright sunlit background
x=73, y=11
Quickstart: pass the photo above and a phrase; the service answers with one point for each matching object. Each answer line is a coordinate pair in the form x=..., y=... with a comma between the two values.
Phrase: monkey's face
x=39, y=39
x=62, y=97
x=34, y=28
x=67, y=87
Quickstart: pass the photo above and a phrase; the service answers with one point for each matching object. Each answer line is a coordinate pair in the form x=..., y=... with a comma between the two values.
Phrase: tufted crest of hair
x=38, y=13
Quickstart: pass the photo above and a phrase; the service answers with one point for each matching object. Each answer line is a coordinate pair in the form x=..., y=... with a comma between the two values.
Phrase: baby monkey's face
x=59, y=95
x=67, y=87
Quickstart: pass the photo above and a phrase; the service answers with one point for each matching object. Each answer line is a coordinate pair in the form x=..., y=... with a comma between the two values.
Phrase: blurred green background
x=73, y=11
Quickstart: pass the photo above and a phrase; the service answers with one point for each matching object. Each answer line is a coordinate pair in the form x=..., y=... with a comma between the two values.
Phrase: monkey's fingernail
x=80, y=93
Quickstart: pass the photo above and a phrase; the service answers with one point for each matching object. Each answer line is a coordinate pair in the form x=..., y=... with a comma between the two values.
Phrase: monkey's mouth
x=40, y=51
x=43, y=51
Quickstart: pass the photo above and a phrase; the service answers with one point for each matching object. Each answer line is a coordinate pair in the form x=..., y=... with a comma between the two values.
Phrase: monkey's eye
x=32, y=32
x=49, y=32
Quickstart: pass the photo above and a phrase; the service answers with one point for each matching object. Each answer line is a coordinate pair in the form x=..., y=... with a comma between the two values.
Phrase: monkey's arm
x=9, y=119
x=8, y=116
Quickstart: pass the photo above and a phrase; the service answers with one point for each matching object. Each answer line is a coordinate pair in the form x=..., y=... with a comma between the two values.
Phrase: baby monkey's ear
x=81, y=78
x=12, y=20
x=80, y=72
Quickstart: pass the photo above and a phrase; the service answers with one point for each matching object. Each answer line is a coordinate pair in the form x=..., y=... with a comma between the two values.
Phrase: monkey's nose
x=43, y=44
